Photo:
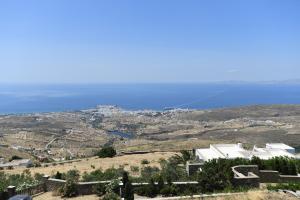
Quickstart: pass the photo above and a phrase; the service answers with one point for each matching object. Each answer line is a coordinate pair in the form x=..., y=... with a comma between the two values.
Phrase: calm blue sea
x=49, y=98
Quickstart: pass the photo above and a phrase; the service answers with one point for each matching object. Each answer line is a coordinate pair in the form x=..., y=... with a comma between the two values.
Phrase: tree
x=128, y=191
x=58, y=175
x=69, y=189
x=160, y=183
x=125, y=178
x=73, y=175
x=186, y=156
x=151, y=190
x=257, y=161
x=106, y=152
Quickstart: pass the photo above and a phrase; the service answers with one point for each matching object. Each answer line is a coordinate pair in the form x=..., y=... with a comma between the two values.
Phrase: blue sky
x=75, y=41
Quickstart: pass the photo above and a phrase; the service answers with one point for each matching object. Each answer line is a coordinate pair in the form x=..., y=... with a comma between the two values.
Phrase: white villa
x=232, y=151
x=17, y=163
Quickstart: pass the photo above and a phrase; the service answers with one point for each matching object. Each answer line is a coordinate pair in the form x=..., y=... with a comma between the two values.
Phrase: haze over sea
x=52, y=98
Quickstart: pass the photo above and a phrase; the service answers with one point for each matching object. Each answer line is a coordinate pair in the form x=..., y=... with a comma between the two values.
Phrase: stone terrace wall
x=286, y=179
x=86, y=188
x=246, y=175
x=53, y=184
x=192, y=168
x=269, y=176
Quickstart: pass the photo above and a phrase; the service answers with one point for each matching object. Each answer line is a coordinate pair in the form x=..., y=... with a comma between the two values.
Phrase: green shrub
x=69, y=189
x=216, y=175
x=106, y=152
x=73, y=175
x=284, y=186
x=58, y=175
x=149, y=190
x=169, y=190
x=185, y=155
x=128, y=191
x=111, y=196
x=112, y=187
x=149, y=172
x=160, y=183
x=134, y=169
x=99, y=189
x=14, y=157
x=145, y=162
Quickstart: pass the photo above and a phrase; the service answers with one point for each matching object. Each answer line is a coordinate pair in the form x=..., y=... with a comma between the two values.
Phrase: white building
x=231, y=151
x=280, y=146
x=19, y=163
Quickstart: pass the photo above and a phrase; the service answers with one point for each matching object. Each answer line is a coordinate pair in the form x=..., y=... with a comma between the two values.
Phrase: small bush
x=111, y=196
x=149, y=190
x=10, y=167
x=58, y=175
x=14, y=157
x=99, y=189
x=106, y=152
x=73, y=175
x=69, y=189
x=169, y=190
x=284, y=186
x=145, y=162
x=134, y=169
x=37, y=164
x=148, y=172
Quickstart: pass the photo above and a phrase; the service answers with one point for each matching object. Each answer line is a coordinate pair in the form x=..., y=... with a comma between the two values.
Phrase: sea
x=17, y=99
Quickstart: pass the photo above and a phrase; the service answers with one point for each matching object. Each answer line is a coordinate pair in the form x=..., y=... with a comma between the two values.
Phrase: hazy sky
x=85, y=41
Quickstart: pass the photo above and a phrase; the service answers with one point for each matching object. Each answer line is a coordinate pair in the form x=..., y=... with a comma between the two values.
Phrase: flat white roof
x=265, y=153
x=208, y=154
x=230, y=150
x=278, y=146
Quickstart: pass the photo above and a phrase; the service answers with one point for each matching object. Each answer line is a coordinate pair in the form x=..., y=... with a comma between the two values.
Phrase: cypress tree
x=128, y=191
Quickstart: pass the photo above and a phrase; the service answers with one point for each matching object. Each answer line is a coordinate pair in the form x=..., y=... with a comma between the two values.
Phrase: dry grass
x=169, y=145
x=251, y=195
x=49, y=196
x=7, y=153
x=255, y=195
x=88, y=165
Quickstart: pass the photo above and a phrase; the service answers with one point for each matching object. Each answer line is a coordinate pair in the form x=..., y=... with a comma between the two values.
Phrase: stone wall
x=86, y=188
x=245, y=169
x=269, y=176
x=53, y=184
x=246, y=175
x=192, y=168
x=286, y=179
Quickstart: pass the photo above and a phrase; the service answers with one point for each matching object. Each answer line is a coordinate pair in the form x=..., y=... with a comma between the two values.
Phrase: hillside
x=80, y=133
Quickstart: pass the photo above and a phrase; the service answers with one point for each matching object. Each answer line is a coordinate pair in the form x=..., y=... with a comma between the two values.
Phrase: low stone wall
x=286, y=178
x=192, y=168
x=86, y=188
x=245, y=169
x=245, y=175
x=269, y=176
x=83, y=188
x=53, y=184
